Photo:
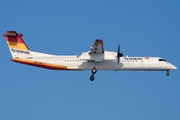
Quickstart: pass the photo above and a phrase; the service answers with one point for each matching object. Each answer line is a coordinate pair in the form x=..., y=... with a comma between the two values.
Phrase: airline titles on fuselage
x=133, y=58
x=20, y=51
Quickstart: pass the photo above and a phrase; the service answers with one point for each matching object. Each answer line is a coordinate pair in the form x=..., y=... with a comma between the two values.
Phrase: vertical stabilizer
x=17, y=46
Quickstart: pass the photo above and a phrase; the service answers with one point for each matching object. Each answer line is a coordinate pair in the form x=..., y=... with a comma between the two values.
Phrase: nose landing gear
x=167, y=73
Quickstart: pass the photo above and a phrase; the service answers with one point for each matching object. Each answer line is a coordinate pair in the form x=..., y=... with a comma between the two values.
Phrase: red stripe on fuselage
x=40, y=65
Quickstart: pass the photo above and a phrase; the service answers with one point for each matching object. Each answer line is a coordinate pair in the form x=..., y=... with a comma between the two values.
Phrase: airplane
x=95, y=59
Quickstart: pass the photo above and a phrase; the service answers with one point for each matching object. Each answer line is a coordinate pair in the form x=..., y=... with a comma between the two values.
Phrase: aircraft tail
x=17, y=46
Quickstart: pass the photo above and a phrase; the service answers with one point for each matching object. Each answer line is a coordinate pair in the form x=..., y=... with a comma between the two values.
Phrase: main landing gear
x=93, y=73
x=167, y=73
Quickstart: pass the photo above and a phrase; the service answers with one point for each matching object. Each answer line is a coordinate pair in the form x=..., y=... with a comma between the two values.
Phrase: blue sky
x=142, y=28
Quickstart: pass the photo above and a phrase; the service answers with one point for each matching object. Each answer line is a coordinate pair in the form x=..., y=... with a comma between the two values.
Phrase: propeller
x=119, y=54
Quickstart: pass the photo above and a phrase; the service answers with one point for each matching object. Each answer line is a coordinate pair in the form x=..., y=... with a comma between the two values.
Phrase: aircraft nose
x=173, y=67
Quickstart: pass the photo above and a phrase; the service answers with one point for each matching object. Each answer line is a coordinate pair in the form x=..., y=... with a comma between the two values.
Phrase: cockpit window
x=162, y=60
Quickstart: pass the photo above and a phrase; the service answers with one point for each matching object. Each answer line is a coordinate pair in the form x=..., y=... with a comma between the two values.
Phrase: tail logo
x=20, y=51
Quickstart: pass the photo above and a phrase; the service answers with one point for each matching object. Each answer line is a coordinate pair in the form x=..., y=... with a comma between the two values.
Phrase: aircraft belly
x=111, y=66
x=107, y=66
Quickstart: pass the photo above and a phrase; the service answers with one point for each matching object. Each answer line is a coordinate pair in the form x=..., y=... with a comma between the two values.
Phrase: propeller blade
x=118, y=60
x=118, y=48
x=119, y=54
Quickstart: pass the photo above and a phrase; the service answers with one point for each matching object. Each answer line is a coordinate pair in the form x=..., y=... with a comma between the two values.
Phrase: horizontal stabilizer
x=12, y=34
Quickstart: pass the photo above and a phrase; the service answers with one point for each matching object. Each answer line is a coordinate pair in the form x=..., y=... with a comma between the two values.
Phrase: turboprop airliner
x=95, y=59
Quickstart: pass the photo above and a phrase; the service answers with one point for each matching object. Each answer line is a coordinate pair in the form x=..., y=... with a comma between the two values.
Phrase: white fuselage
x=87, y=62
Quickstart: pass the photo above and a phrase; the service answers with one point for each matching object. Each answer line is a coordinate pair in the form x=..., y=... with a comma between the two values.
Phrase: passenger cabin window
x=162, y=60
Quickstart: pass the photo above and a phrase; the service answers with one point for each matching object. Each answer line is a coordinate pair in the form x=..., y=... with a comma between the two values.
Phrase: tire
x=94, y=70
x=92, y=78
x=167, y=74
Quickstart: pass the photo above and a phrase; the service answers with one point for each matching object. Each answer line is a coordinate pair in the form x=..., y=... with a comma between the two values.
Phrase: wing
x=97, y=48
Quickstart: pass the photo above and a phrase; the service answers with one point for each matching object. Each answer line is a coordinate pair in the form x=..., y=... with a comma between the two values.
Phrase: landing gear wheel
x=168, y=73
x=93, y=73
x=92, y=78
x=94, y=70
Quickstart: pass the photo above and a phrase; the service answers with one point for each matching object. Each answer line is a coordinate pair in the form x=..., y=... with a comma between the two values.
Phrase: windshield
x=162, y=60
